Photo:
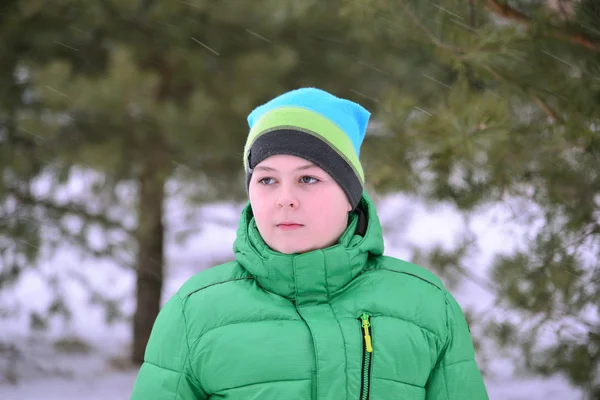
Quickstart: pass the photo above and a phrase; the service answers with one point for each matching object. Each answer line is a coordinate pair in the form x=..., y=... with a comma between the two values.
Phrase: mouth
x=287, y=226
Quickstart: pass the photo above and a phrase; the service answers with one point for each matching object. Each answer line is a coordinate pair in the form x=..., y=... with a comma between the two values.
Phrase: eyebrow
x=271, y=169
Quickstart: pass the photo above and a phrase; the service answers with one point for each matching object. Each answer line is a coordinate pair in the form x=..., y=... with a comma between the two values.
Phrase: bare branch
x=505, y=11
x=538, y=100
x=545, y=107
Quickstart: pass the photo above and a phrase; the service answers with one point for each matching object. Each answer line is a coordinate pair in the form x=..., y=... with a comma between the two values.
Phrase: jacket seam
x=180, y=373
x=295, y=282
x=165, y=368
x=265, y=382
x=188, y=357
x=446, y=345
x=242, y=322
x=453, y=363
x=446, y=384
x=325, y=276
x=188, y=346
x=316, y=350
x=397, y=381
x=408, y=322
x=345, y=348
x=217, y=283
x=406, y=273
x=448, y=326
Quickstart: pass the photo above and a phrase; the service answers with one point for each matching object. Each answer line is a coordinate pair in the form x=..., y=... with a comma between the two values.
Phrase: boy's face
x=298, y=207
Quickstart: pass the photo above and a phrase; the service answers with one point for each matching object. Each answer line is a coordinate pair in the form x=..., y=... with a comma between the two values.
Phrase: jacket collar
x=311, y=277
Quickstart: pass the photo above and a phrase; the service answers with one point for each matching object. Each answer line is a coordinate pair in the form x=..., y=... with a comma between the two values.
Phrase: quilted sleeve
x=165, y=373
x=456, y=375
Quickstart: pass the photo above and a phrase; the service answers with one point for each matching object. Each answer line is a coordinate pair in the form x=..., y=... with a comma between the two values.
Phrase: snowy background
x=86, y=359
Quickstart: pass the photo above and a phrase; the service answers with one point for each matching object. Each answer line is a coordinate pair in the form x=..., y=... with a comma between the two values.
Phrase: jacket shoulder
x=409, y=269
x=224, y=273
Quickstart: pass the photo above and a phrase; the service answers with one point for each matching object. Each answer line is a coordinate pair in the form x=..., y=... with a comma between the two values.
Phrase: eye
x=266, y=181
x=309, y=180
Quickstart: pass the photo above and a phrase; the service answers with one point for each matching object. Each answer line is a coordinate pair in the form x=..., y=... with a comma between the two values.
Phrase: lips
x=289, y=226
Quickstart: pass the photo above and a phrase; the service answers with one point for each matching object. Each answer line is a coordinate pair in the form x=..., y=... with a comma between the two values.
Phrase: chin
x=291, y=249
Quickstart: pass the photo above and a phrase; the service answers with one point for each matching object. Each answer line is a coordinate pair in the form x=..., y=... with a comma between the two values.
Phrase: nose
x=287, y=197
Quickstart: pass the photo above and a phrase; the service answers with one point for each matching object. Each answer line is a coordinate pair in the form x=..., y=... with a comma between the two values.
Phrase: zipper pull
x=366, y=325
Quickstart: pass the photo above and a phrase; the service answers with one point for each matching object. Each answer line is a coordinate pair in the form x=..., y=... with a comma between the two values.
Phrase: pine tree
x=495, y=101
x=157, y=92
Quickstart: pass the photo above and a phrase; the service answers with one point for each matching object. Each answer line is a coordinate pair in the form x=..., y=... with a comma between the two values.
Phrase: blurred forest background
x=474, y=102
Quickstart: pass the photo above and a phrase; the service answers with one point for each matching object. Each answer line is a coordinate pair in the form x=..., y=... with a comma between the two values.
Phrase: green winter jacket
x=344, y=322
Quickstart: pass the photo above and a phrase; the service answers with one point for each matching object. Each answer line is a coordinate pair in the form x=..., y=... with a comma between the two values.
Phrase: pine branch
x=537, y=99
x=545, y=107
x=430, y=34
x=510, y=13
x=108, y=252
x=505, y=11
x=66, y=209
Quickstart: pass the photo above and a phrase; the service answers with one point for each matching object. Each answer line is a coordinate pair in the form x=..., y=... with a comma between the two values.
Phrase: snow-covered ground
x=54, y=365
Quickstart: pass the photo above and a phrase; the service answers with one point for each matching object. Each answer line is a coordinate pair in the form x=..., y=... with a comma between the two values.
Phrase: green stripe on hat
x=310, y=122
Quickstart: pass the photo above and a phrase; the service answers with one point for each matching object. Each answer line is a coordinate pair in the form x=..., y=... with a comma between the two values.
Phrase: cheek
x=329, y=215
x=339, y=214
x=260, y=214
x=263, y=223
x=258, y=197
x=258, y=204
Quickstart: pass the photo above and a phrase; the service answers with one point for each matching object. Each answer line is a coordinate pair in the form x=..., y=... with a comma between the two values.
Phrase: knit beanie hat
x=315, y=125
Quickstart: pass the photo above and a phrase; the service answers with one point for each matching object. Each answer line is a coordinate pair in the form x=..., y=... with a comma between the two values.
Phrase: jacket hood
x=316, y=275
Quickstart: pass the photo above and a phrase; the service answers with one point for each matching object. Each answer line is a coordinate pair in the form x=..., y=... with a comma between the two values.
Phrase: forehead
x=284, y=162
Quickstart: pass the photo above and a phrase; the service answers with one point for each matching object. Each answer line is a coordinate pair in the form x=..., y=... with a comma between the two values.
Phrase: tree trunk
x=151, y=231
x=150, y=235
